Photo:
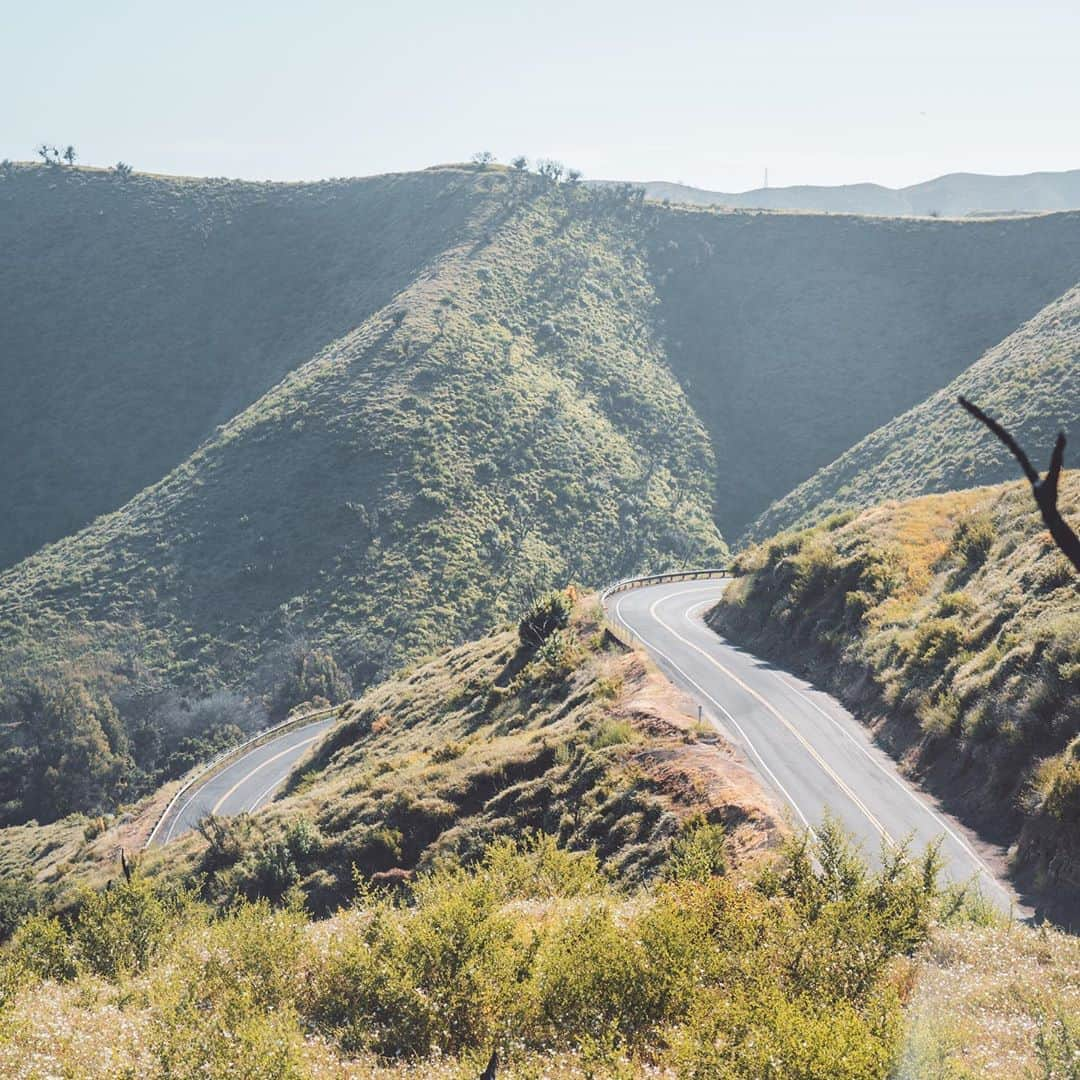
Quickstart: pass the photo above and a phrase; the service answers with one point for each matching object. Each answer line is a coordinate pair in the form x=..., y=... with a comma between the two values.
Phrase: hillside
x=951, y=624
x=140, y=314
x=568, y=732
x=794, y=336
x=156, y=309
x=506, y=425
x=565, y=384
x=652, y=928
x=1030, y=382
x=954, y=195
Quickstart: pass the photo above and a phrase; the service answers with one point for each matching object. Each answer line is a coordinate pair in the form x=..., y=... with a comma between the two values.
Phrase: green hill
x=414, y=402
x=951, y=623
x=140, y=314
x=506, y=425
x=1030, y=381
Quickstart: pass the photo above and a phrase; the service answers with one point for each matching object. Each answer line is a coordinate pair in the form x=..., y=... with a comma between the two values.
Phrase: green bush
x=548, y=614
x=699, y=853
x=973, y=539
x=228, y=1008
x=42, y=947
x=119, y=931
x=18, y=900
x=612, y=733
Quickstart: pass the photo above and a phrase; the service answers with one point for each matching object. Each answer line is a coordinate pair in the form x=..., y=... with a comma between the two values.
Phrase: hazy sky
x=709, y=93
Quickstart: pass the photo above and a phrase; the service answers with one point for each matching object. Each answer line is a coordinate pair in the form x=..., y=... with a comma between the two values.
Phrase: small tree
x=69, y=154
x=483, y=158
x=573, y=176
x=48, y=154
x=550, y=170
x=520, y=163
x=122, y=169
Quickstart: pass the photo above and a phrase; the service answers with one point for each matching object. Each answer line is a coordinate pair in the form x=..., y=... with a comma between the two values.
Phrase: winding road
x=245, y=784
x=809, y=750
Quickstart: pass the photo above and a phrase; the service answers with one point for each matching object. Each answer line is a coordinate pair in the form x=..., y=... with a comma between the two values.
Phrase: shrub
x=227, y=841
x=764, y=1032
x=1057, y=1044
x=556, y=654
x=972, y=540
x=439, y=974
x=1057, y=784
x=612, y=733
x=228, y=1008
x=18, y=900
x=587, y=977
x=699, y=853
x=41, y=947
x=537, y=867
x=548, y=614
x=120, y=930
x=447, y=751
x=314, y=677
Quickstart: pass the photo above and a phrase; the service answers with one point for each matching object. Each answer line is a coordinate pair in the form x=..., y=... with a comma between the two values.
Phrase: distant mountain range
x=954, y=195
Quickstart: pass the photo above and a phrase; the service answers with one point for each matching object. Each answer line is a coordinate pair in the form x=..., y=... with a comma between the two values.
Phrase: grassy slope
x=609, y=979
x=506, y=425
x=584, y=740
x=797, y=335
x=139, y=315
x=953, y=623
x=1030, y=381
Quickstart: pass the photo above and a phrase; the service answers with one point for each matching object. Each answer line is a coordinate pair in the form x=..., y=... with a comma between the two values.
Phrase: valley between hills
x=372, y=447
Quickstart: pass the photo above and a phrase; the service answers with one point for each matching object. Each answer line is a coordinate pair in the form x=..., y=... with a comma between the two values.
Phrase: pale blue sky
x=709, y=93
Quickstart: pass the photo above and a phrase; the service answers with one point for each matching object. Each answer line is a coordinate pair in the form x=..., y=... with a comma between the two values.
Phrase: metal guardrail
x=208, y=768
x=670, y=575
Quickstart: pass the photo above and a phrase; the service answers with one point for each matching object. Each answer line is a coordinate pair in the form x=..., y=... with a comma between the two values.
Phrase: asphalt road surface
x=807, y=748
x=245, y=784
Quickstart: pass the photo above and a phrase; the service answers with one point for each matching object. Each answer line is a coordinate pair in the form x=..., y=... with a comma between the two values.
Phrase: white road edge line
x=768, y=705
x=937, y=818
x=178, y=812
x=746, y=738
x=276, y=784
x=258, y=768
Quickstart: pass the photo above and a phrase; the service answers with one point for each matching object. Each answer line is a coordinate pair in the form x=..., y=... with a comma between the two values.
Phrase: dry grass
x=982, y=998
x=950, y=623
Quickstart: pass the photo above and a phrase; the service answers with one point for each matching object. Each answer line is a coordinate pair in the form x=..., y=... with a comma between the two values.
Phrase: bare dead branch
x=1045, y=491
x=1005, y=437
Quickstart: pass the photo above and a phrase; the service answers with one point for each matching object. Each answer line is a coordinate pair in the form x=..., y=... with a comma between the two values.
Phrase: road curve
x=245, y=784
x=806, y=747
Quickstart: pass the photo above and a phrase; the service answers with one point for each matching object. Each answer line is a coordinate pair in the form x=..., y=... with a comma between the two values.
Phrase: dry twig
x=1045, y=490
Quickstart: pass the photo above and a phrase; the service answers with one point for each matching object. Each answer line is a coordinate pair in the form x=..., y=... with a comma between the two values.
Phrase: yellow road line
x=826, y=768
x=262, y=765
